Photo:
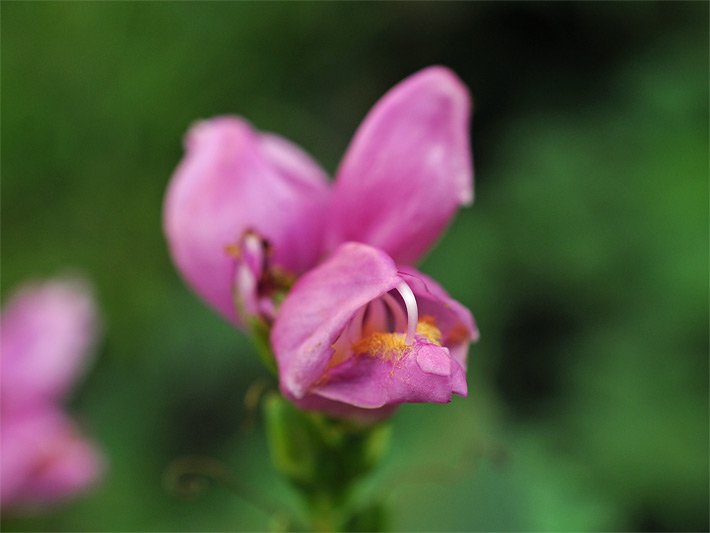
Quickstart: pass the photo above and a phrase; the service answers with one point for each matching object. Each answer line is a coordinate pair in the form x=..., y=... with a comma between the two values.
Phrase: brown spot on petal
x=457, y=335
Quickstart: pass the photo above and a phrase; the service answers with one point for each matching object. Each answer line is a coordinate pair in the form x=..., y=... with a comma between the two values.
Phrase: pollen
x=426, y=327
x=388, y=346
x=392, y=346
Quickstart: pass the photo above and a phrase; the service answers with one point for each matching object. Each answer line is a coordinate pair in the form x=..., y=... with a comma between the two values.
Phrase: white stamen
x=410, y=302
x=253, y=252
x=245, y=291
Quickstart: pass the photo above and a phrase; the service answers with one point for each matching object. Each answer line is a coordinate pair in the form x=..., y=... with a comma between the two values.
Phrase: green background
x=584, y=257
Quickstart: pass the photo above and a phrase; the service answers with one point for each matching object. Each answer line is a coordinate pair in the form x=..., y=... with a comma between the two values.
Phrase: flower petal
x=407, y=169
x=314, y=402
x=426, y=374
x=318, y=308
x=46, y=336
x=233, y=179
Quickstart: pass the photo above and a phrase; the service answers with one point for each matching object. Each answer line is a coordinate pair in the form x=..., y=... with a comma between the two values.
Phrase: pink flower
x=44, y=458
x=401, y=180
x=247, y=213
x=46, y=335
x=356, y=337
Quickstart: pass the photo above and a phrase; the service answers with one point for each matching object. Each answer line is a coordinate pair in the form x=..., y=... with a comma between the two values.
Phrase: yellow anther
x=389, y=346
x=233, y=250
x=426, y=327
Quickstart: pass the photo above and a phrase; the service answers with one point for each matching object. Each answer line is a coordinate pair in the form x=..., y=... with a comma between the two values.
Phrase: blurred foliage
x=584, y=258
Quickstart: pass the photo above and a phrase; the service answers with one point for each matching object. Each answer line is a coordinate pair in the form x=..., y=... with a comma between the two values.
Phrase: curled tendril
x=189, y=477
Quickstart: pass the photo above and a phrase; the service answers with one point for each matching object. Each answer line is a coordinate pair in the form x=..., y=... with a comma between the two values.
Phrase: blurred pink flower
x=404, y=175
x=44, y=458
x=356, y=336
x=46, y=334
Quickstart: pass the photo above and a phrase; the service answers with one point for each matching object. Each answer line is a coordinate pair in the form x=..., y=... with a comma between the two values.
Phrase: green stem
x=326, y=516
x=324, y=459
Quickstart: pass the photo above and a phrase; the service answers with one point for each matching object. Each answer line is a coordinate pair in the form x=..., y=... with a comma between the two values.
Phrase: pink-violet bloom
x=357, y=336
x=246, y=212
x=47, y=333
